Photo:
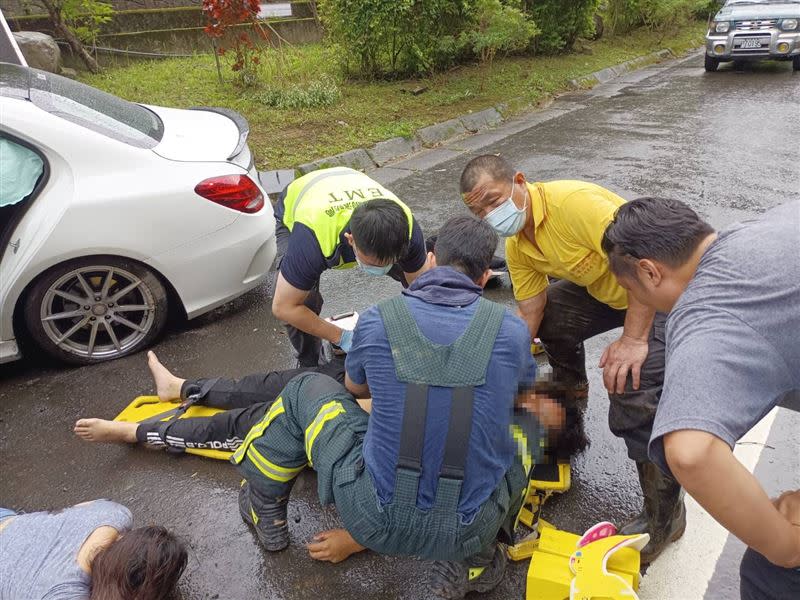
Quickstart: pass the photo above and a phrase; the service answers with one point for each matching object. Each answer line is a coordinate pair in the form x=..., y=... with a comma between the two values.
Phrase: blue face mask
x=507, y=219
x=373, y=270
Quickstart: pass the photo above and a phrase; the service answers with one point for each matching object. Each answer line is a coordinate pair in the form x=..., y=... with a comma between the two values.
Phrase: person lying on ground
x=733, y=299
x=439, y=468
x=243, y=402
x=87, y=552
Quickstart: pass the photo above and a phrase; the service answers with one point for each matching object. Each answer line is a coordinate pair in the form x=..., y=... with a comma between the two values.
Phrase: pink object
x=597, y=532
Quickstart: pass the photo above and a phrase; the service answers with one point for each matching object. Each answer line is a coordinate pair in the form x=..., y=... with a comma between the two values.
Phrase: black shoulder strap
x=458, y=432
x=412, y=434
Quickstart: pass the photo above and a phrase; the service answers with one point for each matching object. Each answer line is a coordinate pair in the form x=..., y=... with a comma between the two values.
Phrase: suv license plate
x=751, y=43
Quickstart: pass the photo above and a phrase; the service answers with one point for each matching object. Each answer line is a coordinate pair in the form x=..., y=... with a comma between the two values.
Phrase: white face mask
x=507, y=219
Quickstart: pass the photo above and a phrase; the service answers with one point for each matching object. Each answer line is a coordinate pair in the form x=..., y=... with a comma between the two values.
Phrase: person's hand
x=788, y=504
x=626, y=354
x=346, y=341
x=333, y=546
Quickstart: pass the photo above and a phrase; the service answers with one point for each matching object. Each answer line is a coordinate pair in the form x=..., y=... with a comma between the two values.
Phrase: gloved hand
x=346, y=342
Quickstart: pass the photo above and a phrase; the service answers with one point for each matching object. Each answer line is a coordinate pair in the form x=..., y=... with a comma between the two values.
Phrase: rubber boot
x=572, y=439
x=268, y=516
x=452, y=580
x=664, y=512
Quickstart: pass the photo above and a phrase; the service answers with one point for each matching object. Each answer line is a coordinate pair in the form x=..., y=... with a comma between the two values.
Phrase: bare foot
x=168, y=387
x=333, y=545
x=100, y=430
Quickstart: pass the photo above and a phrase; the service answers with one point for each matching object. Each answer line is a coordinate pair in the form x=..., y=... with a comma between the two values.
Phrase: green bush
x=395, y=38
x=320, y=92
x=660, y=15
x=560, y=22
x=498, y=27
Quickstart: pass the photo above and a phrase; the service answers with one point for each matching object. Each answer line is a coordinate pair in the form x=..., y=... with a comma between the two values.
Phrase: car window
x=20, y=169
x=95, y=110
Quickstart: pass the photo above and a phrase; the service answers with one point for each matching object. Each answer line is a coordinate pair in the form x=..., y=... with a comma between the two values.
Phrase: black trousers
x=762, y=580
x=244, y=403
x=306, y=346
x=572, y=316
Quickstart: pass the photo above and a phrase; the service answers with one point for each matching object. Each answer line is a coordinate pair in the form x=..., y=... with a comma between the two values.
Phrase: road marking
x=683, y=571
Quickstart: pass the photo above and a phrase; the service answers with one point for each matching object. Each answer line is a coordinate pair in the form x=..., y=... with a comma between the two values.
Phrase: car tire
x=711, y=63
x=95, y=309
x=796, y=63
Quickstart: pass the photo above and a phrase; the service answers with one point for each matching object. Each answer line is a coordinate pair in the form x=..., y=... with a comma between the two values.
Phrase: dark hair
x=662, y=229
x=467, y=244
x=380, y=229
x=496, y=167
x=142, y=564
x=572, y=438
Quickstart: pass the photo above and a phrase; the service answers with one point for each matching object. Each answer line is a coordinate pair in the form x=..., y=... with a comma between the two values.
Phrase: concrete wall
x=25, y=7
x=176, y=30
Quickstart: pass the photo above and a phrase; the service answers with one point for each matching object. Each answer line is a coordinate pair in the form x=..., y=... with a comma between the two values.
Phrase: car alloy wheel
x=94, y=312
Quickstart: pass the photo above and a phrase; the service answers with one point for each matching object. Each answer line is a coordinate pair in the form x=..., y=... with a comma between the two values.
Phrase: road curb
x=609, y=73
x=471, y=123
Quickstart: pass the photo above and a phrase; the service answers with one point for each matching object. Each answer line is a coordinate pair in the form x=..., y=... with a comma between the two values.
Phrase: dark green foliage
x=380, y=38
x=498, y=27
x=560, y=22
x=660, y=15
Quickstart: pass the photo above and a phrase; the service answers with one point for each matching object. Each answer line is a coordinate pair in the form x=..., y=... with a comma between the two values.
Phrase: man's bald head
x=487, y=181
x=486, y=165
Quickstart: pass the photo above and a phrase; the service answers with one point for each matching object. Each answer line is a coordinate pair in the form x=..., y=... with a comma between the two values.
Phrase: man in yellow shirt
x=555, y=229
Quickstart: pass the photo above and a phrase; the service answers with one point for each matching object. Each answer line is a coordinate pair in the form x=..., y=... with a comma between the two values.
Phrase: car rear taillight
x=233, y=191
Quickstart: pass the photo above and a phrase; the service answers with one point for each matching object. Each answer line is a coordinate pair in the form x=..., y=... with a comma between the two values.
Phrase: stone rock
x=389, y=150
x=435, y=134
x=605, y=75
x=67, y=72
x=355, y=159
x=481, y=119
x=39, y=49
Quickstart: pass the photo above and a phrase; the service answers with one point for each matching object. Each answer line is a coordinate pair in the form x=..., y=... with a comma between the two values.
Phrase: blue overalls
x=316, y=422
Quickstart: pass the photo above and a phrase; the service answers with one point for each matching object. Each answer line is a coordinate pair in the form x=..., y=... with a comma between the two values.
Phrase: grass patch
x=301, y=121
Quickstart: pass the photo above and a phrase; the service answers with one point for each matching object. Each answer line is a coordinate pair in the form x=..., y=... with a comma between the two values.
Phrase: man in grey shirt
x=721, y=289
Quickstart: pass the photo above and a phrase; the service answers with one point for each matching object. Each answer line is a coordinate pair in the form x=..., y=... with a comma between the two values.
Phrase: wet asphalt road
x=727, y=143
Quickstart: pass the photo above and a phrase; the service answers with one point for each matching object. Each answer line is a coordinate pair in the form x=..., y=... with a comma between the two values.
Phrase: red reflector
x=233, y=191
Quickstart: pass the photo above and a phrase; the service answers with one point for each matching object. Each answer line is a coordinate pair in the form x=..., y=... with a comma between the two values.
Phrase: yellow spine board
x=607, y=568
x=149, y=407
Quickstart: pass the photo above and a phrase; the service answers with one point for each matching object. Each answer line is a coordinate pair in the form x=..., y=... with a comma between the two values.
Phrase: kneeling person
x=440, y=468
x=336, y=219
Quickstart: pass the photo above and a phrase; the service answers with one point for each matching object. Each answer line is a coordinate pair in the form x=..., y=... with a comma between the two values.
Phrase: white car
x=139, y=210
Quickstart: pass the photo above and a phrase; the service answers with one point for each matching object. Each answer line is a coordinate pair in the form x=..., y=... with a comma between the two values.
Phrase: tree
x=498, y=27
x=222, y=14
x=77, y=21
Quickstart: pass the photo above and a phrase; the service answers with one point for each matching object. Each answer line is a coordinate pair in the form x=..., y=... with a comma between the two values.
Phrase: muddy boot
x=451, y=580
x=664, y=513
x=267, y=516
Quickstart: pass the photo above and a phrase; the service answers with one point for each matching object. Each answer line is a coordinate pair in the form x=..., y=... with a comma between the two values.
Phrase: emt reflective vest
x=324, y=201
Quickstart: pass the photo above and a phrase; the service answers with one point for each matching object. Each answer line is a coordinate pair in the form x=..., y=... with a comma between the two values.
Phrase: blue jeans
x=6, y=512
